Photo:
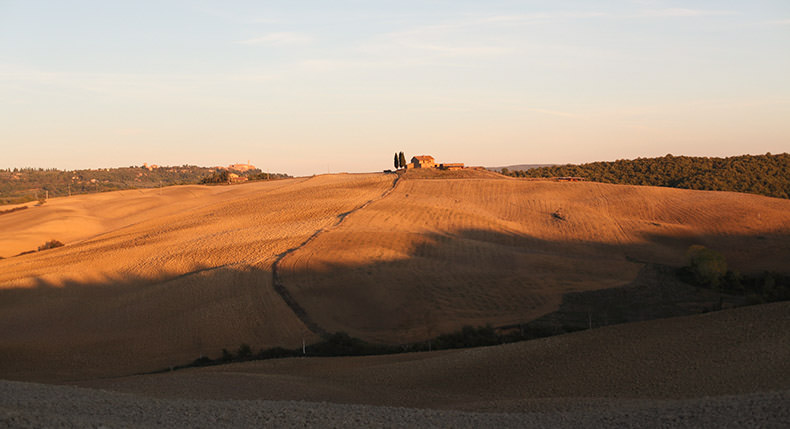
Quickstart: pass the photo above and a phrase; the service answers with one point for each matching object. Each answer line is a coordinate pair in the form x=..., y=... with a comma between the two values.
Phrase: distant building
x=235, y=178
x=422, y=161
x=452, y=166
x=241, y=167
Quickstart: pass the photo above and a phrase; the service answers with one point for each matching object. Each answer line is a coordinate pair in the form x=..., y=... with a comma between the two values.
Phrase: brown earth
x=732, y=352
x=437, y=254
x=156, y=280
x=150, y=279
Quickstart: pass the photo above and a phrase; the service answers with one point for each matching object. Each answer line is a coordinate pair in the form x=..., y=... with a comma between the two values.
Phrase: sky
x=310, y=87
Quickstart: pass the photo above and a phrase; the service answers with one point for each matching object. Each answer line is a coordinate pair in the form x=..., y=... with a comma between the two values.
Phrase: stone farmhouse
x=422, y=161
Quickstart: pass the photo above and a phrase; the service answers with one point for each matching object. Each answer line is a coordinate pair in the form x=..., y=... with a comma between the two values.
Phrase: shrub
x=468, y=336
x=202, y=361
x=244, y=352
x=218, y=177
x=226, y=356
x=51, y=244
x=708, y=266
x=276, y=353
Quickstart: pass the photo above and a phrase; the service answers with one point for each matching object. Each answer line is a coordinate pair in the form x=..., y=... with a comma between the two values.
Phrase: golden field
x=155, y=278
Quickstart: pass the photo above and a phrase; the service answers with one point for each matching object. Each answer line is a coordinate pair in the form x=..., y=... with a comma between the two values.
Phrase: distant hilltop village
x=241, y=168
x=238, y=167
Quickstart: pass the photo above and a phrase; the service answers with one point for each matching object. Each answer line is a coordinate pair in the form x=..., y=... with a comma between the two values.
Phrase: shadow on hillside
x=476, y=277
x=78, y=329
x=471, y=277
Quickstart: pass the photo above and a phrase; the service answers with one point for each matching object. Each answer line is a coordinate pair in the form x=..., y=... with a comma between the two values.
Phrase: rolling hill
x=154, y=278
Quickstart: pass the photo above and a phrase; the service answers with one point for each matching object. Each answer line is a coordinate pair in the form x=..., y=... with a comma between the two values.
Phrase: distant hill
x=20, y=185
x=755, y=174
x=520, y=167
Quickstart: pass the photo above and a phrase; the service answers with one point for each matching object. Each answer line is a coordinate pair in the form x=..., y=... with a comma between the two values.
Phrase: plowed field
x=438, y=254
x=154, y=278
x=158, y=279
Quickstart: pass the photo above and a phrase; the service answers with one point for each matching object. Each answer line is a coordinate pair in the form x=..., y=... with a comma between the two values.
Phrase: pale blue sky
x=308, y=87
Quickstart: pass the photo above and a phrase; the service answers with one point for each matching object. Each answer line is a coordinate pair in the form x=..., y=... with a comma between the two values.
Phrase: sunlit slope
x=438, y=254
x=82, y=216
x=182, y=281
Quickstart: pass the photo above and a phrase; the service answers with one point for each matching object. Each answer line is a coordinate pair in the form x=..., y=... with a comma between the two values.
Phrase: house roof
x=423, y=158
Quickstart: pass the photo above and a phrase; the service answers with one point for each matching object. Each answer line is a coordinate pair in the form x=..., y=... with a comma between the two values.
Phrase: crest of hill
x=435, y=173
x=520, y=167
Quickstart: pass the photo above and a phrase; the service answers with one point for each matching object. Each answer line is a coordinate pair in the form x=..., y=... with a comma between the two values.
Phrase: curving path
x=280, y=288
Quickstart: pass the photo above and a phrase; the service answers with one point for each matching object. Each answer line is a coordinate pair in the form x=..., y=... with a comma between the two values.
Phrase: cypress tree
x=402, y=159
x=397, y=161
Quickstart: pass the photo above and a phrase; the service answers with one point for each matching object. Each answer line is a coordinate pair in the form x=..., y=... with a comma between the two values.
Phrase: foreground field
x=731, y=352
x=724, y=369
x=35, y=406
x=153, y=279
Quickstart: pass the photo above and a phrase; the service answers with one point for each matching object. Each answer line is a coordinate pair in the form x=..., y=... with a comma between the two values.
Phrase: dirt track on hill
x=280, y=288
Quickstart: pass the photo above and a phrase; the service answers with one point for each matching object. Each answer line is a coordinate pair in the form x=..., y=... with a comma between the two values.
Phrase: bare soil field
x=731, y=352
x=151, y=279
x=156, y=280
x=723, y=369
x=24, y=405
x=478, y=248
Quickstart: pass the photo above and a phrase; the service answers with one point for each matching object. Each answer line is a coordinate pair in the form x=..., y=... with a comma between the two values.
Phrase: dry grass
x=150, y=279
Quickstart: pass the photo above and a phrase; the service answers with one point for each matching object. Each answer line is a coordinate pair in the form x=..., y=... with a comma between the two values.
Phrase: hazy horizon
x=308, y=88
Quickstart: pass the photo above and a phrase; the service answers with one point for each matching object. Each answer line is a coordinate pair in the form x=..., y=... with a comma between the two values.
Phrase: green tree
x=402, y=159
x=708, y=266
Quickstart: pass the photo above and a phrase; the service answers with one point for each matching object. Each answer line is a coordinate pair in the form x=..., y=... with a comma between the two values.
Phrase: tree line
x=756, y=174
x=21, y=185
